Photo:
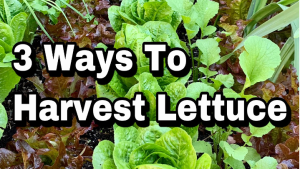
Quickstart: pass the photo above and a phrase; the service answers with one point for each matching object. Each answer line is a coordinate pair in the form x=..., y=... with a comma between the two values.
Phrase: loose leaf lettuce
x=260, y=54
x=122, y=153
x=3, y=120
x=8, y=80
x=139, y=12
x=103, y=152
x=179, y=144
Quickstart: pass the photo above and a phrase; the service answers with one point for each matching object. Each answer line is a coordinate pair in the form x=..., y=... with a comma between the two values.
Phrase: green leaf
x=150, y=134
x=179, y=144
x=117, y=85
x=194, y=90
x=131, y=92
x=286, y=53
x=31, y=27
x=192, y=131
x=260, y=131
x=184, y=80
x=176, y=91
x=252, y=155
x=205, y=10
x=3, y=120
x=264, y=12
x=208, y=30
x=204, y=162
x=266, y=161
x=18, y=25
x=210, y=51
x=122, y=153
x=2, y=53
x=5, y=46
x=260, y=54
x=255, y=6
x=227, y=80
x=235, y=164
x=148, y=82
x=8, y=80
x=203, y=147
x=192, y=29
x=6, y=35
x=246, y=139
x=157, y=11
x=115, y=18
x=109, y=164
x=134, y=11
x=237, y=152
x=125, y=134
x=229, y=93
x=176, y=20
x=166, y=79
x=6, y=12
x=127, y=18
x=105, y=91
x=157, y=28
x=152, y=103
x=208, y=73
x=101, y=46
x=103, y=151
x=181, y=6
x=296, y=35
x=155, y=166
x=139, y=155
x=9, y=57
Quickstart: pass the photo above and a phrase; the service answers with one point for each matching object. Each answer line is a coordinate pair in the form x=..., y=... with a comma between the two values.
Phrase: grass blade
x=263, y=13
x=70, y=6
x=295, y=28
x=58, y=8
x=256, y=5
x=38, y=21
x=286, y=54
x=279, y=21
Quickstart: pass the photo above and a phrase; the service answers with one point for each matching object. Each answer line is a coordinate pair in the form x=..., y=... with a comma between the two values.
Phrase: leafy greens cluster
x=13, y=24
x=87, y=24
x=139, y=12
x=151, y=147
x=47, y=147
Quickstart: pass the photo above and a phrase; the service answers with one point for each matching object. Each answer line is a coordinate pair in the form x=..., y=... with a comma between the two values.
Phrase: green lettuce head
x=139, y=12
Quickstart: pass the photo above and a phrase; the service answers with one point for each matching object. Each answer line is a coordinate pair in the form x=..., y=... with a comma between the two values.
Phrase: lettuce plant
x=133, y=37
x=10, y=33
x=139, y=12
x=151, y=147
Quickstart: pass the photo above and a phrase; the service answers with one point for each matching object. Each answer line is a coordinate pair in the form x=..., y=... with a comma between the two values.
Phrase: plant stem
x=195, y=76
x=38, y=21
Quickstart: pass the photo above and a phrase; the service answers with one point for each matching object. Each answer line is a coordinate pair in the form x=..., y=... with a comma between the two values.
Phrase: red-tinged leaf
x=30, y=158
x=75, y=163
x=87, y=34
x=9, y=158
x=82, y=87
x=41, y=57
x=58, y=86
x=292, y=144
x=288, y=164
x=48, y=144
x=61, y=160
x=233, y=10
x=37, y=83
x=50, y=153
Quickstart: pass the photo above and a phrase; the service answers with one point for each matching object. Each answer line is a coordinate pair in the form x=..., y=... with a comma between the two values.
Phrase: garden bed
x=208, y=31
